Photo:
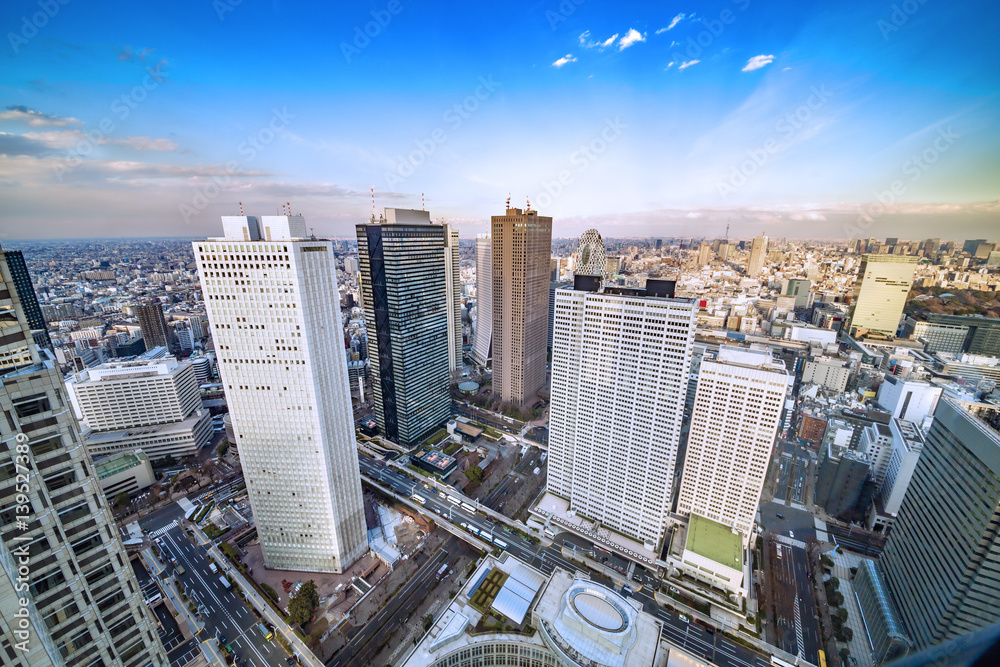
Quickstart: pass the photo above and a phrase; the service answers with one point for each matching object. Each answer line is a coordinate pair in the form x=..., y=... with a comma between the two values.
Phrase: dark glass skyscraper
x=26, y=293
x=404, y=294
x=155, y=331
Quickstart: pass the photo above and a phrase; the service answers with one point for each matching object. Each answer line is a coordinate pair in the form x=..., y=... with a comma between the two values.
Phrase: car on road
x=791, y=534
x=683, y=618
x=780, y=516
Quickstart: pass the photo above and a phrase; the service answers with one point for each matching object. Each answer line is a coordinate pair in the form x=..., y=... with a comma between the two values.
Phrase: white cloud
x=669, y=65
x=22, y=114
x=568, y=58
x=630, y=38
x=145, y=143
x=587, y=43
x=687, y=64
x=757, y=62
x=677, y=19
x=808, y=215
x=694, y=215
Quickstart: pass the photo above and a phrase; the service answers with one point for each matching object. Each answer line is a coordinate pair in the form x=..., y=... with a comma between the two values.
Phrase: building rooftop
x=714, y=541
x=116, y=463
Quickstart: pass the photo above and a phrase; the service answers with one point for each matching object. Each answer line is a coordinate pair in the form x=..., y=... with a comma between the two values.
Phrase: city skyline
x=637, y=120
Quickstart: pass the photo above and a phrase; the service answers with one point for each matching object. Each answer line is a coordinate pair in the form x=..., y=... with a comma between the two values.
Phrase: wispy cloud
x=631, y=37
x=677, y=19
x=757, y=62
x=685, y=65
x=126, y=54
x=568, y=58
x=587, y=43
x=145, y=144
x=22, y=114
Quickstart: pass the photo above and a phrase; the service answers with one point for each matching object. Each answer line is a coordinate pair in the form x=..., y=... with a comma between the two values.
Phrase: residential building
x=271, y=293
x=154, y=327
x=404, y=292
x=830, y=373
x=482, y=347
x=21, y=280
x=798, y=288
x=738, y=407
x=941, y=559
x=81, y=604
x=758, y=249
x=521, y=242
x=876, y=444
x=703, y=253
x=620, y=364
x=880, y=293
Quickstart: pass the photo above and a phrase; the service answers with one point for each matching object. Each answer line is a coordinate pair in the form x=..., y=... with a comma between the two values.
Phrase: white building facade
x=482, y=348
x=453, y=293
x=272, y=299
x=737, y=412
x=620, y=366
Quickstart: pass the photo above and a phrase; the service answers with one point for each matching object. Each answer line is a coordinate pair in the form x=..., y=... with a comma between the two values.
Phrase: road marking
x=164, y=530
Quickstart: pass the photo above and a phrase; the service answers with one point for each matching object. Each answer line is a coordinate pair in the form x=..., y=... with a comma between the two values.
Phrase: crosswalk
x=161, y=531
x=798, y=627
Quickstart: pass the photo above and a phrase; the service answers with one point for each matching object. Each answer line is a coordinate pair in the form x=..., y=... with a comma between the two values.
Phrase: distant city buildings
x=620, y=364
x=63, y=570
x=482, y=347
x=271, y=293
x=155, y=331
x=409, y=312
x=758, y=251
x=880, y=294
x=522, y=243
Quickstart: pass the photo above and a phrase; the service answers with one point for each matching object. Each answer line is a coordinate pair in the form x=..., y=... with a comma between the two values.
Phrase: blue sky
x=640, y=118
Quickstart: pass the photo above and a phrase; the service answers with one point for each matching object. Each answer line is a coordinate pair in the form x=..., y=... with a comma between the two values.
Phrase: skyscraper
x=591, y=258
x=880, y=293
x=737, y=410
x=80, y=603
x=155, y=331
x=273, y=305
x=758, y=249
x=941, y=560
x=453, y=298
x=26, y=293
x=482, y=349
x=620, y=364
x=404, y=292
x=522, y=244
x=703, y=250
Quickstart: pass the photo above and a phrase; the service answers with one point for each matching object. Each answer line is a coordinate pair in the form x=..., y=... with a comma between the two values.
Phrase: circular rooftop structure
x=598, y=611
x=468, y=387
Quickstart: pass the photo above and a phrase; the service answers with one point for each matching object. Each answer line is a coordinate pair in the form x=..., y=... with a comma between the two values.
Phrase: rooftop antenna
x=422, y=208
x=727, y=230
x=528, y=207
x=312, y=233
x=241, y=208
x=373, y=204
x=289, y=207
x=508, y=200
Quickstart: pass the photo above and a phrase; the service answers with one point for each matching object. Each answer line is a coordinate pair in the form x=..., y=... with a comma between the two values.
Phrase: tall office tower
x=620, y=364
x=724, y=251
x=703, y=253
x=482, y=348
x=26, y=293
x=942, y=558
x=758, y=249
x=148, y=404
x=453, y=298
x=591, y=257
x=553, y=286
x=522, y=244
x=80, y=603
x=272, y=300
x=737, y=412
x=403, y=292
x=880, y=293
x=155, y=331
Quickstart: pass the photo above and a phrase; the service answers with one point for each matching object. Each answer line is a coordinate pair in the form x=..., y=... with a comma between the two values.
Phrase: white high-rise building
x=482, y=348
x=737, y=411
x=453, y=293
x=271, y=294
x=620, y=364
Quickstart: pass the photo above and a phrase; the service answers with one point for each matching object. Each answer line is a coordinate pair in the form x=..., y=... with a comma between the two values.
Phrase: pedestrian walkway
x=784, y=539
x=859, y=647
x=162, y=531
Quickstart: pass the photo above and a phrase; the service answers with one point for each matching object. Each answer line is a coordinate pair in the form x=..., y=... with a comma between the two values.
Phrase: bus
x=419, y=498
x=441, y=572
x=473, y=530
x=500, y=543
x=454, y=501
x=468, y=508
x=778, y=662
x=265, y=631
x=822, y=658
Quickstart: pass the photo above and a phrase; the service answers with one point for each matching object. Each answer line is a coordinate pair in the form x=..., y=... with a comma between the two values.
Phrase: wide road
x=225, y=614
x=712, y=646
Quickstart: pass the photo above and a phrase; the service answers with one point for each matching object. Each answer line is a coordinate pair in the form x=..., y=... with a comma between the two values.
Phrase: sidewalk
x=306, y=656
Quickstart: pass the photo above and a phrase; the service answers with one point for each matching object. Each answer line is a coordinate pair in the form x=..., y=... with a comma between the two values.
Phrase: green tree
x=428, y=621
x=222, y=448
x=834, y=583
x=169, y=460
x=848, y=634
x=475, y=473
x=303, y=604
x=122, y=499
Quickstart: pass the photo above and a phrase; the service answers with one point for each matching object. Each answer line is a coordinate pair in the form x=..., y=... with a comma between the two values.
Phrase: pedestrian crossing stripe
x=164, y=530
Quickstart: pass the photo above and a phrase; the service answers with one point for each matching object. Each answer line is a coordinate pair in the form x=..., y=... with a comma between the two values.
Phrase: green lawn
x=714, y=541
